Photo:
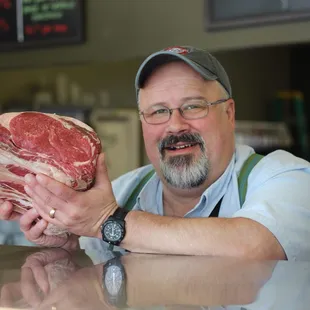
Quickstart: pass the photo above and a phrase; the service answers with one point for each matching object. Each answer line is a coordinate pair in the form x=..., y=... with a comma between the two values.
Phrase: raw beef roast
x=61, y=147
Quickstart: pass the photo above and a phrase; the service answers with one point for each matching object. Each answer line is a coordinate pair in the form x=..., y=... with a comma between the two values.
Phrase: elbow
x=257, y=242
x=262, y=250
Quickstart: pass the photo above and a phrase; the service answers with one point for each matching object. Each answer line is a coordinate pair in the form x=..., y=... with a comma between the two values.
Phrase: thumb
x=102, y=176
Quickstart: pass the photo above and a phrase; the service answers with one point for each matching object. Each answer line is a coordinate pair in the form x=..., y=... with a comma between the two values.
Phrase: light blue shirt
x=278, y=197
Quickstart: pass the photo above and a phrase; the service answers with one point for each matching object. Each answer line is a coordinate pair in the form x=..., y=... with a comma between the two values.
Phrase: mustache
x=185, y=137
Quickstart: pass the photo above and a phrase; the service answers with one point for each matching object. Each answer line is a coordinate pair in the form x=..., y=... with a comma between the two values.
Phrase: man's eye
x=192, y=107
x=160, y=111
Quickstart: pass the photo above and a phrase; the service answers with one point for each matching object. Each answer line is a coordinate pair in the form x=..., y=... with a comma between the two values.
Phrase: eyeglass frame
x=207, y=104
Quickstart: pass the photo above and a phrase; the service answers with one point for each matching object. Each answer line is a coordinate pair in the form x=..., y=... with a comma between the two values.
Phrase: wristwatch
x=114, y=283
x=113, y=229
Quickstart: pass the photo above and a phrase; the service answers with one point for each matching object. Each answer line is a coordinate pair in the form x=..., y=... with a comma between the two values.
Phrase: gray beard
x=184, y=172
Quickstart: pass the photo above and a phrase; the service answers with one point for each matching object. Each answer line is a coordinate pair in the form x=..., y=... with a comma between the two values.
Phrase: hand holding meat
x=62, y=148
x=81, y=213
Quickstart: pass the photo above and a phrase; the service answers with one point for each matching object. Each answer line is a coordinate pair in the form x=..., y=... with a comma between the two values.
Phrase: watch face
x=113, y=231
x=113, y=280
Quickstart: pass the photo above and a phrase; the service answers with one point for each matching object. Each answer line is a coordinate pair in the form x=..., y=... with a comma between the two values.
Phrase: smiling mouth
x=180, y=147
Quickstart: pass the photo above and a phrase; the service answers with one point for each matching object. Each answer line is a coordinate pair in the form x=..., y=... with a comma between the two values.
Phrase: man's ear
x=230, y=111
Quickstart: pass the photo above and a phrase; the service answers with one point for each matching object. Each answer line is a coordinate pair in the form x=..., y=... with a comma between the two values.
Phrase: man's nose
x=177, y=122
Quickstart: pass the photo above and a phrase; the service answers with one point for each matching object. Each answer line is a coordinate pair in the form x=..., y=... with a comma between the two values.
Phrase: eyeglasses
x=191, y=109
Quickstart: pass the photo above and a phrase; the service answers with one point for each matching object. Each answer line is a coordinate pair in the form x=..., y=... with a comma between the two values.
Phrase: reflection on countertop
x=40, y=278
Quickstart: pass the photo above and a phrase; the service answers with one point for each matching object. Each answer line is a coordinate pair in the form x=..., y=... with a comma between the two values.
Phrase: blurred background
x=79, y=58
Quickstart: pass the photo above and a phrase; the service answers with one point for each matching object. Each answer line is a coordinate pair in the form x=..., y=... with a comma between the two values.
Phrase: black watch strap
x=120, y=214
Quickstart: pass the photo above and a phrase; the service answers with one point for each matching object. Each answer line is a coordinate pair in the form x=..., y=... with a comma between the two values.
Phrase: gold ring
x=52, y=213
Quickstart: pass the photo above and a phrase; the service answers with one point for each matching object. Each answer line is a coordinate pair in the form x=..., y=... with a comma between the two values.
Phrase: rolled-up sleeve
x=278, y=197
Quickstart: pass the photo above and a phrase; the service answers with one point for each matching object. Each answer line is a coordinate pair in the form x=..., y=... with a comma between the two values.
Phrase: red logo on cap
x=177, y=50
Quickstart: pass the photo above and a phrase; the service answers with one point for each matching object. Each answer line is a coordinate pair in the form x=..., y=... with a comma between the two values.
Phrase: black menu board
x=35, y=23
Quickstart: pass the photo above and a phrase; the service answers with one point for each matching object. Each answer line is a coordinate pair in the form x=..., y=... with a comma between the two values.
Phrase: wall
x=255, y=76
x=120, y=30
x=117, y=78
x=171, y=22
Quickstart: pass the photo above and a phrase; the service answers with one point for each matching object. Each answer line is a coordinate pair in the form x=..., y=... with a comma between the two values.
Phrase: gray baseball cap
x=200, y=60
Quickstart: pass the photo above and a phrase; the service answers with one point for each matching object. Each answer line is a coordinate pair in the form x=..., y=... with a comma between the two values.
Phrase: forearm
x=238, y=237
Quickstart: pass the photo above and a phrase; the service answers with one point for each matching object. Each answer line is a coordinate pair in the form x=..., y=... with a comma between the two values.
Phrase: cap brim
x=160, y=58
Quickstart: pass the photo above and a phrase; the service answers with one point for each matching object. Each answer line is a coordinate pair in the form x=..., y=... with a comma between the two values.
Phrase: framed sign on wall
x=228, y=14
x=35, y=24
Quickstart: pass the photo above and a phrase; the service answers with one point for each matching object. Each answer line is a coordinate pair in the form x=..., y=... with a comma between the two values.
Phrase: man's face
x=187, y=152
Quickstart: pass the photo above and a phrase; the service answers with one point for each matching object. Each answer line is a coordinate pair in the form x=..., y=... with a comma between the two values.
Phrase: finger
x=36, y=234
x=7, y=211
x=28, y=219
x=36, y=231
x=60, y=190
x=57, y=220
x=30, y=290
x=41, y=193
x=32, y=230
x=39, y=202
x=102, y=176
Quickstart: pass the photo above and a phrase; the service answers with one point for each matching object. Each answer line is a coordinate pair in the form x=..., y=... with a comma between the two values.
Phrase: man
x=191, y=205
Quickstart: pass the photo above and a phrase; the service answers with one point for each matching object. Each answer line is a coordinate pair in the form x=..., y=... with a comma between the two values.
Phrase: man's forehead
x=182, y=86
